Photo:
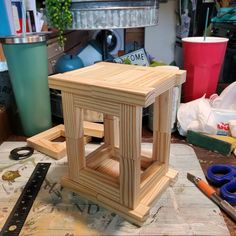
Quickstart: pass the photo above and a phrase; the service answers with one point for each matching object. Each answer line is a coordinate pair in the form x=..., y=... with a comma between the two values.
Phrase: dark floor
x=205, y=158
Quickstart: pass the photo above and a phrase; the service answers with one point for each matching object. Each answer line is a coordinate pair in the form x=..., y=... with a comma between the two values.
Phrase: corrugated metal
x=104, y=14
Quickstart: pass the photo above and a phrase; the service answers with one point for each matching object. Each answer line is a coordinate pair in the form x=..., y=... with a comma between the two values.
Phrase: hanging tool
x=223, y=176
x=211, y=193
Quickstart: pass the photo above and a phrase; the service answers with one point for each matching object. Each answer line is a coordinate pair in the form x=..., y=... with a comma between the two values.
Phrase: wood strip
x=117, y=95
x=73, y=117
x=109, y=167
x=137, y=216
x=150, y=178
x=99, y=184
x=103, y=106
x=152, y=196
x=111, y=132
x=130, y=131
x=49, y=134
x=162, y=127
x=109, y=180
x=75, y=154
x=42, y=142
x=119, y=83
x=130, y=150
x=75, y=186
x=93, y=129
x=150, y=172
x=73, y=121
x=100, y=154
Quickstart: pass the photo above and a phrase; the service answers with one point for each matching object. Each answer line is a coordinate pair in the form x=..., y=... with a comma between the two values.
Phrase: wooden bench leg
x=162, y=127
x=73, y=121
x=130, y=150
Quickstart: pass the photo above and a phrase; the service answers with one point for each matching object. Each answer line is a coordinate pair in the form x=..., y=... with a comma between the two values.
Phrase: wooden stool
x=118, y=175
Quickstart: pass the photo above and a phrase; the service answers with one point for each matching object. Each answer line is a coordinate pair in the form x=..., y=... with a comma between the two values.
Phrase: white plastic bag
x=226, y=100
x=196, y=115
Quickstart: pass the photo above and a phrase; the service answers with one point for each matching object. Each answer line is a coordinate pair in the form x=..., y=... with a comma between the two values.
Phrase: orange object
x=207, y=189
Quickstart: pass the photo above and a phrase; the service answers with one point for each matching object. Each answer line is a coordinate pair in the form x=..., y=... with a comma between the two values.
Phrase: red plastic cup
x=203, y=61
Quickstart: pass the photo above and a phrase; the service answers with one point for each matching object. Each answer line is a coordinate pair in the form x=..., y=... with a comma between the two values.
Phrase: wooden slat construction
x=44, y=141
x=118, y=175
x=119, y=83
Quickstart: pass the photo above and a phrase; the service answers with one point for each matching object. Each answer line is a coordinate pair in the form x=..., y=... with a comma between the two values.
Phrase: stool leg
x=162, y=127
x=73, y=121
x=130, y=151
x=111, y=130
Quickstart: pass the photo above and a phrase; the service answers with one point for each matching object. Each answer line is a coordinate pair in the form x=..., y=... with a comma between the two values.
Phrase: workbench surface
x=181, y=210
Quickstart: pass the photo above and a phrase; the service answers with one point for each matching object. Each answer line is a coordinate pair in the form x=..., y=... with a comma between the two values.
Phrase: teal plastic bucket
x=28, y=68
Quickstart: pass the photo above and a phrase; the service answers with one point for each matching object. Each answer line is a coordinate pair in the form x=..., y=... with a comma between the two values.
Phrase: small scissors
x=224, y=176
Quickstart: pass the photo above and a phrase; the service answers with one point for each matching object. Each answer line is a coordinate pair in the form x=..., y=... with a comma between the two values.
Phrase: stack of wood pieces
x=52, y=142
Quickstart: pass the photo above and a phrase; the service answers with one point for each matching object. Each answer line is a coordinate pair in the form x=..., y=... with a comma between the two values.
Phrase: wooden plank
x=100, y=154
x=130, y=150
x=73, y=121
x=99, y=183
x=43, y=142
x=101, y=105
x=93, y=129
x=163, y=182
x=108, y=180
x=130, y=131
x=119, y=83
x=150, y=177
x=109, y=167
x=75, y=154
x=111, y=131
x=162, y=127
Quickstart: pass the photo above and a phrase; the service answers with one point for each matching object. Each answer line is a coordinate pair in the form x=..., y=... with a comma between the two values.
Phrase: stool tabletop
x=119, y=82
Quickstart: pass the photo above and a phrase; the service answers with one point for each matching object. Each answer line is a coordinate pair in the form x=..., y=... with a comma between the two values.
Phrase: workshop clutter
x=212, y=118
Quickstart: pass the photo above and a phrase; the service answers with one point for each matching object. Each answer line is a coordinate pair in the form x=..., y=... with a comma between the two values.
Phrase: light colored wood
x=110, y=125
x=101, y=105
x=130, y=150
x=96, y=81
x=140, y=213
x=93, y=129
x=149, y=178
x=162, y=127
x=100, y=154
x=98, y=184
x=43, y=142
x=121, y=177
x=73, y=121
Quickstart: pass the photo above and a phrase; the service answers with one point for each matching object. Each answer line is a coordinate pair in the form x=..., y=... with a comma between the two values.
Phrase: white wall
x=160, y=39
